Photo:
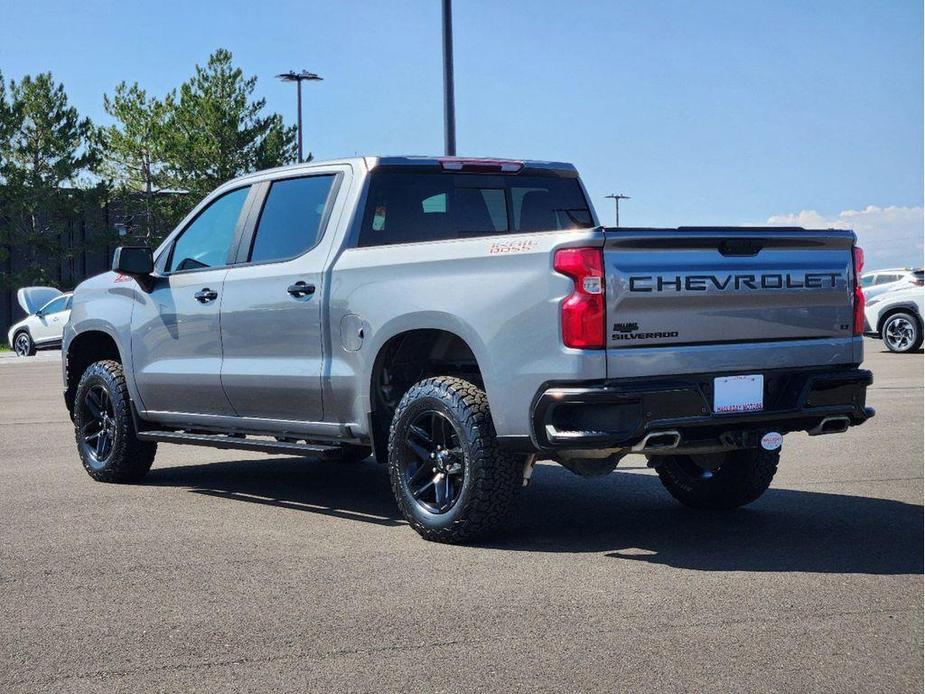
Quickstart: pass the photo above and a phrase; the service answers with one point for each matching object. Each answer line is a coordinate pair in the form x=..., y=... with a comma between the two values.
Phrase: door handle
x=205, y=296
x=300, y=289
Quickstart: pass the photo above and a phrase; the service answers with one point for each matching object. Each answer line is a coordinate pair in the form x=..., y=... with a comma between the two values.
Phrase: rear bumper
x=619, y=414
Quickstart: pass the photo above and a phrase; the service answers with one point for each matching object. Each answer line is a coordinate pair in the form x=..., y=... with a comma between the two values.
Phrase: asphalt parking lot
x=230, y=571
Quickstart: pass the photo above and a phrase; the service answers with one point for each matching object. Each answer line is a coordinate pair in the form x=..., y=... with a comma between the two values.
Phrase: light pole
x=449, y=100
x=298, y=78
x=617, y=197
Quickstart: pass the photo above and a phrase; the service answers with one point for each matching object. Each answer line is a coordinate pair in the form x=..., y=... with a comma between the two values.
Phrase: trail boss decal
x=520, y=246
x=735, y=282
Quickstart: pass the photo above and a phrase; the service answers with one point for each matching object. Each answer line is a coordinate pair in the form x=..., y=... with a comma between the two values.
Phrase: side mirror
x=136, y=261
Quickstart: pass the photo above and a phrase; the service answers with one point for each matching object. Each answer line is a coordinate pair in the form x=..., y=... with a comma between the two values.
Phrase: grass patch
x=4, y=347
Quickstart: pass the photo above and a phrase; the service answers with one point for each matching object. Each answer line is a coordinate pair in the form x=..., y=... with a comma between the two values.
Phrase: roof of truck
x=486, y=164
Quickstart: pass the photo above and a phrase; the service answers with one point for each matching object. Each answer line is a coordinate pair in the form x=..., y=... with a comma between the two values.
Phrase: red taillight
x=583, y=310
x=858, y=294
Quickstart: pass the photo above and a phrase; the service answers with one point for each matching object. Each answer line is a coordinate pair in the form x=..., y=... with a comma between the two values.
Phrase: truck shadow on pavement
x=625, y=515
x=353, y=491
x=630, y=516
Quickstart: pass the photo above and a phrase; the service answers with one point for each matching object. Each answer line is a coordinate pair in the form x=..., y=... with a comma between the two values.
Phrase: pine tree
x=46, y=149
x=217, y=130
x=134, y=160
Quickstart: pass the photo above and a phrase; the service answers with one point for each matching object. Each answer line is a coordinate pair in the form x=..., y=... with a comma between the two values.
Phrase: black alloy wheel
x=433, y=468
x=98, y=429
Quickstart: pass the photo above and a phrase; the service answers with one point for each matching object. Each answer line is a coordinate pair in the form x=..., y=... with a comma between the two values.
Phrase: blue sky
x=704, y=112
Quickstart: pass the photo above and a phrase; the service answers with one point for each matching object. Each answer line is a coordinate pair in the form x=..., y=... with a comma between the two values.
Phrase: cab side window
x=206, y=241
x=291, y=219
x=410, y=207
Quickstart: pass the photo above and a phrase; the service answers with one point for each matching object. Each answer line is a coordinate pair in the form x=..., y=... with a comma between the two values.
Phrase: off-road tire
x=491, y=476
x=743, y=477
x=129, y=459
x=23, y=344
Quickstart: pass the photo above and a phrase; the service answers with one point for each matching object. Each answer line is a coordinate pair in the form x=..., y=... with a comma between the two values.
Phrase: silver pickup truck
x=459, y=319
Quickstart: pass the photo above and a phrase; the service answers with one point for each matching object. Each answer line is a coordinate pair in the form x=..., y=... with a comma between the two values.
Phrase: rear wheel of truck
x=718, y=480
x=104, y=427
x=451, y=480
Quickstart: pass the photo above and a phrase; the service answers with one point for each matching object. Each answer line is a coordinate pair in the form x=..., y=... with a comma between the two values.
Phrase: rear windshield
x=410, y=207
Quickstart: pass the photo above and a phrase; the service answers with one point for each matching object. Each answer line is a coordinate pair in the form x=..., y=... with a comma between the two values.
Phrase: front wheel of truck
x=718, y=481
x=104, y=427
x=451, y=480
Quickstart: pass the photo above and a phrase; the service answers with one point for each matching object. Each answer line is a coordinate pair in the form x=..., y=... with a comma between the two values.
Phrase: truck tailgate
x=750, y=297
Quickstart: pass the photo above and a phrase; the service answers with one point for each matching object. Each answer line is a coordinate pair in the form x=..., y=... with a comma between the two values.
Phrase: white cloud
x=890, y=236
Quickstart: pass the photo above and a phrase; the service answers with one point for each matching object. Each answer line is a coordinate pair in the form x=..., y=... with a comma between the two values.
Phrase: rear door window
x=292, y=217
x=409, y=207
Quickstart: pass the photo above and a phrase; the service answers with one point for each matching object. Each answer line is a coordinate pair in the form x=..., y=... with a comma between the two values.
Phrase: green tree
x=134, y=160
x=217, y=130
x=7, y=119
x=47, y=149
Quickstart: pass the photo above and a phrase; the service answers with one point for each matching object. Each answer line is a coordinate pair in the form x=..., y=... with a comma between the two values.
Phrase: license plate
x=738, y=394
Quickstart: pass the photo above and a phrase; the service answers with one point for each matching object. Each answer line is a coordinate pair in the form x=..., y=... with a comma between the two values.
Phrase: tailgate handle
x=741, y=246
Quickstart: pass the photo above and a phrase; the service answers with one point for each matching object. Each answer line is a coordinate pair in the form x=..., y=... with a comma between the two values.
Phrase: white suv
x=877, y=282
x=49, y=311
x=896, y=317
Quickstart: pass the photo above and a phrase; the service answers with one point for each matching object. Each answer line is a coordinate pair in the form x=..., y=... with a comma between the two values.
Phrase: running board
x=241, y=443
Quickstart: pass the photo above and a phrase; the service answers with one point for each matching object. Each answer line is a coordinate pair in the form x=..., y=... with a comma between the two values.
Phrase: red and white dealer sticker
x=771, y=441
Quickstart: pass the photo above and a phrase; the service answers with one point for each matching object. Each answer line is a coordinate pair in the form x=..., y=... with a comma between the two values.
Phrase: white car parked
x=896, y=317
x=876, y=282
x=49, y=310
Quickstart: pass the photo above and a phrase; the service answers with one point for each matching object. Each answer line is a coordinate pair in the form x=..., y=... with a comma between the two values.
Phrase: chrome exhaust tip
x=831, y=425
x=658, y=441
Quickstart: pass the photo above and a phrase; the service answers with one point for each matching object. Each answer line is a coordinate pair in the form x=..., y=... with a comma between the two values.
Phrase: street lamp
x=449, y=98
x=298, y=78
x=617, y=197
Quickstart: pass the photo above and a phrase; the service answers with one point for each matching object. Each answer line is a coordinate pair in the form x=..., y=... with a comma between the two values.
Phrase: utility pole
x=617, y=197
x=298, y=78
x=449, y=100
